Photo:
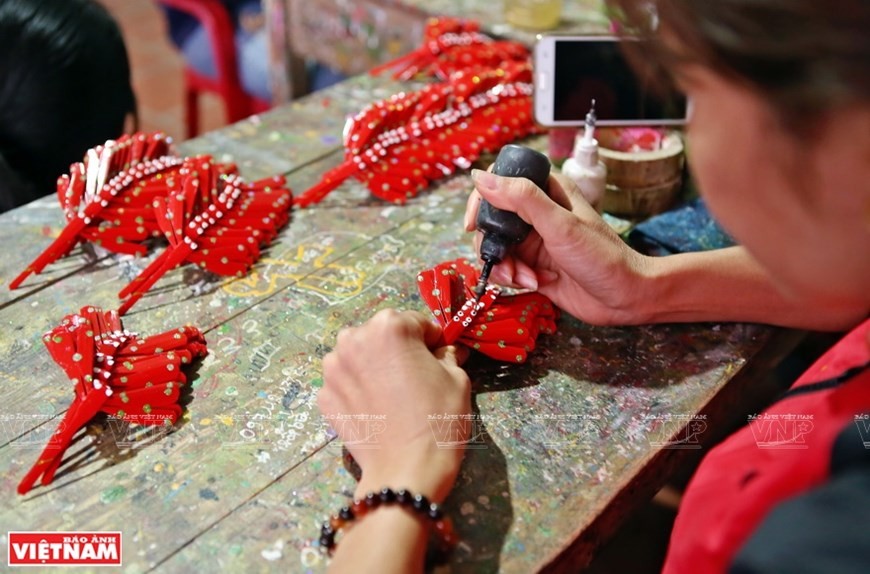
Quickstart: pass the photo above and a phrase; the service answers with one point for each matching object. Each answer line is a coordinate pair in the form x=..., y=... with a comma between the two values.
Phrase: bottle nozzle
x=591, y=118
x=586, y=147
x=480, y=288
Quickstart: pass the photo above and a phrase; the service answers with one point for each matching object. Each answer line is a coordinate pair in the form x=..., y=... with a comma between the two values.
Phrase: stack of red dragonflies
x=129, y=191
x=132, y=378
x=397, y=146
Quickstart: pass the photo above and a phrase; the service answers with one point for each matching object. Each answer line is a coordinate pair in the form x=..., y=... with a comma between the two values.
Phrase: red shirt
x=781, y=454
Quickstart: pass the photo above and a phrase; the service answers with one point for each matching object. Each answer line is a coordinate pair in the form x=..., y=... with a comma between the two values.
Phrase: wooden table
x=352, y=37
x=564, y=445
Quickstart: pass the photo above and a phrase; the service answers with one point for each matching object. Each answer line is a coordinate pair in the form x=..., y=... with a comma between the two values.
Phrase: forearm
x=729, y=285
x=388, y=540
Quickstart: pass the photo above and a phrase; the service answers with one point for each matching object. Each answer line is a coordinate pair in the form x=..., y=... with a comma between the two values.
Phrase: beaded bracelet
x=445, y=536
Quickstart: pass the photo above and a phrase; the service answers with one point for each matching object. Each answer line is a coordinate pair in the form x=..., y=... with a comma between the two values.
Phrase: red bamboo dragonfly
x=504, y=327
x=127, y=376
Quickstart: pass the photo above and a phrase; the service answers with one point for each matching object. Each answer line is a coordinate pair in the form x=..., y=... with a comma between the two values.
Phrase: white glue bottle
x=584, y=167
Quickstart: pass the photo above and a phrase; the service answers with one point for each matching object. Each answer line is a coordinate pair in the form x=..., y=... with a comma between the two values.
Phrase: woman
x=779, y=143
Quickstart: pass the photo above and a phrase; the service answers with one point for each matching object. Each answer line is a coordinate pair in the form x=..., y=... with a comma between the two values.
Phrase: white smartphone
x=571, y=71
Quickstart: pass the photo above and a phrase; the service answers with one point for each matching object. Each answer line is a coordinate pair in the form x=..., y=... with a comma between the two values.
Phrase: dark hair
x=64, y=87
x=804, y=56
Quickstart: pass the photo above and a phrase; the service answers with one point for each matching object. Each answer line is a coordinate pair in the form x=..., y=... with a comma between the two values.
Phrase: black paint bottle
x=502, y=229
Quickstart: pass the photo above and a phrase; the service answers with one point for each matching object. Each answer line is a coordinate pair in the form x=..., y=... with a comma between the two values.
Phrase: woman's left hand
x=390, y=370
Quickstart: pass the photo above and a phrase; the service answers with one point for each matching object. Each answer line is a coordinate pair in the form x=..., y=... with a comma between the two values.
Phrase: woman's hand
x=572, y=256
x=389, y=370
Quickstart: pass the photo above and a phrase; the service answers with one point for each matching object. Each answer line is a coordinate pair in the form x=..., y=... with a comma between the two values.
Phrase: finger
x=502, y=275
x=447, y=355
x=416, y=323
x=324, y=401
x=344, y=338
x=385, y=317
x=462, y=354
x=329, y=366
x=503, y=272
x=469, y=223
x=472, y=206
x=326, y=396
x=506, y=270
x=525, y=276
x=547, y=277
x=565, y=192
x=334, y=376
x=521, y=196
x=431, y=332
x=561, y=191
x=451, y=356
x=459, y=375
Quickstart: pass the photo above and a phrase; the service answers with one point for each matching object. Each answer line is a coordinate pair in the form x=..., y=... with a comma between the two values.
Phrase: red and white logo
x=64, y=549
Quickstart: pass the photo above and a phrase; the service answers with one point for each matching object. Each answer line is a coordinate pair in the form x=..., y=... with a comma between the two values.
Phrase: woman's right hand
x=572, y=256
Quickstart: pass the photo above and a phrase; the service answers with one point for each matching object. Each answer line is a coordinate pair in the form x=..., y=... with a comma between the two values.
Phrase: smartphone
x=571, y=71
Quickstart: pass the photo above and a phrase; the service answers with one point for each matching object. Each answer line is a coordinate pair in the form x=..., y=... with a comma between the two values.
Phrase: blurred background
x=157, y=69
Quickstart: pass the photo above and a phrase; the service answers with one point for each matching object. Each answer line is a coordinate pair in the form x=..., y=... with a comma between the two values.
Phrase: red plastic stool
x=213, y=16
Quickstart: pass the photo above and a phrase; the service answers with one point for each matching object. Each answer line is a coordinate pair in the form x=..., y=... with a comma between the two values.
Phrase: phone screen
x=597, y=69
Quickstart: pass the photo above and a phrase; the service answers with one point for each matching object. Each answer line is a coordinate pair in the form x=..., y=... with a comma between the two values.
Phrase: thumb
x=521, y=196
x=451, y=355
x=431, y=331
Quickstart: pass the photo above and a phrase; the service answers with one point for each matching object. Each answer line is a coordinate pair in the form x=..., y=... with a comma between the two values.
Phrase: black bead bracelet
x=418, y=504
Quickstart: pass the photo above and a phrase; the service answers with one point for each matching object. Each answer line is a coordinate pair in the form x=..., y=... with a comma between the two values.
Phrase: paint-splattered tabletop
x=563, y=446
